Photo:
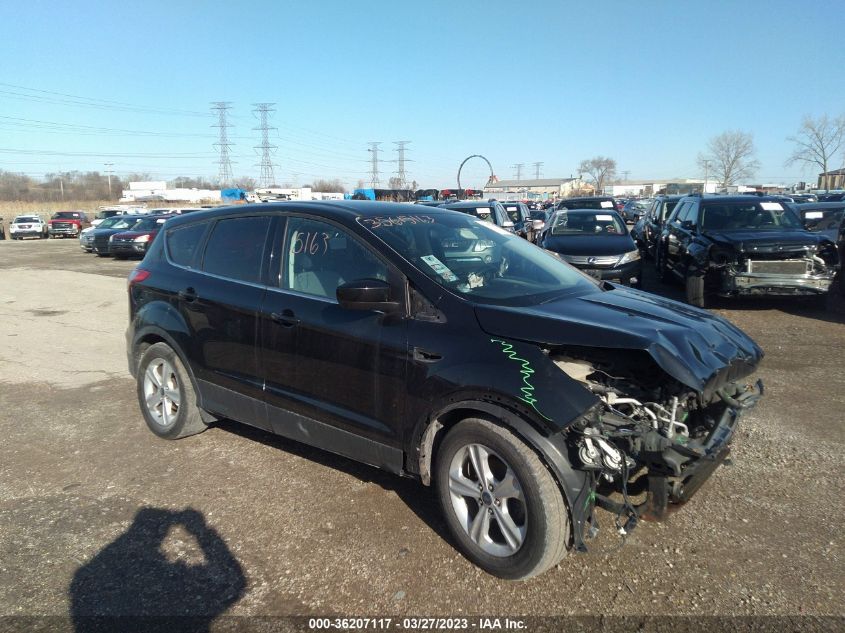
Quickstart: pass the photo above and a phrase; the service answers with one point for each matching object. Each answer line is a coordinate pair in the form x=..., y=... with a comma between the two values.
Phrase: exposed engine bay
x=648, y=428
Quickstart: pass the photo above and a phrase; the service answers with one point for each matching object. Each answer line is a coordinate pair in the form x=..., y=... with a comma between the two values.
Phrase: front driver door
x=345, y=369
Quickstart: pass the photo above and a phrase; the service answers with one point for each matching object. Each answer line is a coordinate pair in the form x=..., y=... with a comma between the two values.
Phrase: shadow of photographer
x=152, y=577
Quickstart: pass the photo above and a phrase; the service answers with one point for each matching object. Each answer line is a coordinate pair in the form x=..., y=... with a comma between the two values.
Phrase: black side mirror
x=688, y=225
x=366, y=294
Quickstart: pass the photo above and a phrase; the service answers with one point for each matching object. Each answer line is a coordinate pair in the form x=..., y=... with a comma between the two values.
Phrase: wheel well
x=143, y=345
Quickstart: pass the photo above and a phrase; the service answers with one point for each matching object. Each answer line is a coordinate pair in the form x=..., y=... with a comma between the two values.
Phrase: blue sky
x=647, y=83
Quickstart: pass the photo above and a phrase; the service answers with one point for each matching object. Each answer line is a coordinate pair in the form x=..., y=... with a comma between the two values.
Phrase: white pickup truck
x=27, y=226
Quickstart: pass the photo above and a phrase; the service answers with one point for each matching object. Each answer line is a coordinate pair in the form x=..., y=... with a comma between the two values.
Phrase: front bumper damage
x=742, y=283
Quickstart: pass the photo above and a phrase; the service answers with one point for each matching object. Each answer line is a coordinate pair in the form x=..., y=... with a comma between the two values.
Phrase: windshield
x=111, y=222
x=148, y=224
x=513, y=212
x=65, y=215
x=587, y=223
x=586, y=204
x=26, y=218
x=823, y=220
x=477, y=260
x=484, y=214
x=738, y=216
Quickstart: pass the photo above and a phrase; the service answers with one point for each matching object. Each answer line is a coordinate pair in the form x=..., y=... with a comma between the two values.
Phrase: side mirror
x=366, y=294
x=688, y=225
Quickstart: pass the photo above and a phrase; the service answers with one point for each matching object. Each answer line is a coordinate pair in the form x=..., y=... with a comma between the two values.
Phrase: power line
x=267, y=177
x=537, y=167
x=400, y=149
x=374, y=180
x=221, y=109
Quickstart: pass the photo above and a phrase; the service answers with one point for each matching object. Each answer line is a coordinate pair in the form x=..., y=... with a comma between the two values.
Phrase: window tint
x=319, y=257
x=684, y=212
x=182, y=243
x=236, y=248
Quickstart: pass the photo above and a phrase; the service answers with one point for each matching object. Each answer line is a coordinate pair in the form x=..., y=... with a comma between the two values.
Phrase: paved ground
x=97, y=512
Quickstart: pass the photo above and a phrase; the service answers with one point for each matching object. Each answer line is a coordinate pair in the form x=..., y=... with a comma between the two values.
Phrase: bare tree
x=817, y=141
x=600, y=169
x=732, y=157
x=328, y=186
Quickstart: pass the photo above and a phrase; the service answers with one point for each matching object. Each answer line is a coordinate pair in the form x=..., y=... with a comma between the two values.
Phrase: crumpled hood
x=766, y=241
x=697, y=348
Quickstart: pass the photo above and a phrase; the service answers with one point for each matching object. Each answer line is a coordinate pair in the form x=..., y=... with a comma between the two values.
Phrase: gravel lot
x=96, y=512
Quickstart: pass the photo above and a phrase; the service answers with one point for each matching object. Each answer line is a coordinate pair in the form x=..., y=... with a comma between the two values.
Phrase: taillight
x=138, y=275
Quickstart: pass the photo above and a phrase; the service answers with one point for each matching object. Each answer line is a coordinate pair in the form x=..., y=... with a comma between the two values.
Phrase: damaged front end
x=650, y=434
x=772, y=269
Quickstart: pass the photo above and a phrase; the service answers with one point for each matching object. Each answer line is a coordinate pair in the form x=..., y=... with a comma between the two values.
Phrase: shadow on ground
x=170, y=571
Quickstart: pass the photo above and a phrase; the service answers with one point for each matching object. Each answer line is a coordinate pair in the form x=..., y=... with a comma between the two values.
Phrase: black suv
x=509, y=381
x=743, y=245
x=486, y=210
x=648, y=228
x=519, y=213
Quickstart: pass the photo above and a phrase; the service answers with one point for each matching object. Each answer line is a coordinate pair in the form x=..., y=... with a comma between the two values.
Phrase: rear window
x=183, y=242
x=236, y=248
x=587, y=204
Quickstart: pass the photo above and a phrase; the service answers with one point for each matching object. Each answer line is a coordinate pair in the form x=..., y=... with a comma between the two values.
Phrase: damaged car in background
x=439, y=346
x=730, y=246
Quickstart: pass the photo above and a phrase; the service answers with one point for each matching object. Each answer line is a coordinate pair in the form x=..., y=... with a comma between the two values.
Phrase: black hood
x=765, y=241
x=697, y=348
x=600, y=244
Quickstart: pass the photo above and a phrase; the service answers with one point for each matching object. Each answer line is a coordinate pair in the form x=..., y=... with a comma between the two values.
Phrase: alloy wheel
x=161, y=392
x=488, y=500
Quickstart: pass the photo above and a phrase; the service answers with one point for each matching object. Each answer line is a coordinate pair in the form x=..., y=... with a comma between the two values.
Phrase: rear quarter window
x=183, y=242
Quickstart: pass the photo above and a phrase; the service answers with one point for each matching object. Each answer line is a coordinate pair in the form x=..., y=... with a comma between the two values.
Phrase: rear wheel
x=500, y=502
x=166, y=394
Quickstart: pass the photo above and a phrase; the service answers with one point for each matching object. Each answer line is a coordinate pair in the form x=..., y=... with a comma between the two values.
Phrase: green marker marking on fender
x=526, y=371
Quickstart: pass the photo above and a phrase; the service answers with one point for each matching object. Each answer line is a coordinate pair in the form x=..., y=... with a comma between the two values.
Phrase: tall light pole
x=109, y=172
x=706, y=162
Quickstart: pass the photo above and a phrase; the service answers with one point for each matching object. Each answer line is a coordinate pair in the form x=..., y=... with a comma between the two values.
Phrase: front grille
x=601, y=261
x=780, y=267
x=63, y=225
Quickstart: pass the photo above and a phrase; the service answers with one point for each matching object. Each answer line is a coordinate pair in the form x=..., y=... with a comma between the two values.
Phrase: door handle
x=188, y=294
x=286, y=318
x=424, y=356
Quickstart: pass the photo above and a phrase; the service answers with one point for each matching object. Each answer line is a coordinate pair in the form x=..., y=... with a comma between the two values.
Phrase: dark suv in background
x=510, y=382
x=743, y=245
x=647, y=229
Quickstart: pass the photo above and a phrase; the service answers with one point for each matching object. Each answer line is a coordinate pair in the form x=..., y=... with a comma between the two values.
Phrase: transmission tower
x=400, y=149
x=263, y=112
x=518, y=173
x=221, y=108
x=374, y=181
x=537, y=167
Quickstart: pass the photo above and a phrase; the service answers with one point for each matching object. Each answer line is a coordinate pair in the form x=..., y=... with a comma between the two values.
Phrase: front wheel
x=500, y=502
x=695, y=290
x=166, y=394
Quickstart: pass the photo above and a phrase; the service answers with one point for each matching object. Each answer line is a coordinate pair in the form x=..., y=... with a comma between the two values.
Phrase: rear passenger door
x=335, y=378
x=220, y=303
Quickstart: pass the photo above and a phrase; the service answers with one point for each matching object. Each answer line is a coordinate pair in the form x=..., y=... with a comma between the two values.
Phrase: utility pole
x=400, y=149
x=625, y=175
x=518, y=167
x=221, y=109
x=263, y=111
x=109, y=172
x=374, y=181
x=706, y=162
x=537, y=167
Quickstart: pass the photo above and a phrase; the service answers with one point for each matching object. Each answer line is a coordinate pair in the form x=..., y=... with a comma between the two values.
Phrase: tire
x=166, y=394
x=534, y=515
x=663, y=274
x=695, y=290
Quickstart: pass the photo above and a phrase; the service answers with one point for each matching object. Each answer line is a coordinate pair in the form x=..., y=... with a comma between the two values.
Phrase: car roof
x=470, y=204
x=587, y=198
x=818, y=206
x=337, y=209
x=717, y=199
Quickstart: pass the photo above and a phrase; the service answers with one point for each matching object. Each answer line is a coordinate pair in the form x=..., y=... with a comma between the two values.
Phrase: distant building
x=542, y=189
x=649, y=188
x=157, y=191
x=832, y=179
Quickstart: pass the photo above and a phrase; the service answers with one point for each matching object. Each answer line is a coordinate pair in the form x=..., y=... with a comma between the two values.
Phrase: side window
x=236, y=248
x=319, y=257
x=183, y=242
x=692, y=213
